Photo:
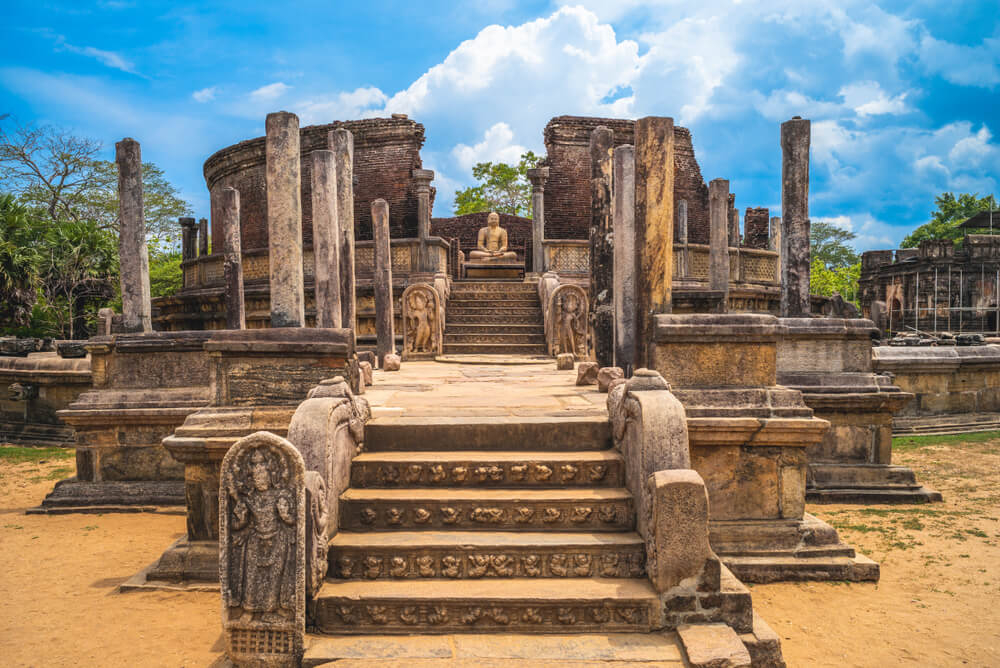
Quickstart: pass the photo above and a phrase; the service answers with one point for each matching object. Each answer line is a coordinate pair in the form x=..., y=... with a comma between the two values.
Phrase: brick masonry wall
x=567, y=191
x=386, y=150
x=756, y=228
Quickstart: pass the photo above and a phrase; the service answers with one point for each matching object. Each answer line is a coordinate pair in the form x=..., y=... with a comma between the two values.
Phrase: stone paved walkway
x=439, y=389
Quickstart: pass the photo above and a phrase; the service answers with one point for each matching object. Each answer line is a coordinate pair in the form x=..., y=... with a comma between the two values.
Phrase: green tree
x=165, y=275
x=951, y=212
x=60, y=174
x=830, y=244
x=19, y=263
x=825, y=281
x=502, y=188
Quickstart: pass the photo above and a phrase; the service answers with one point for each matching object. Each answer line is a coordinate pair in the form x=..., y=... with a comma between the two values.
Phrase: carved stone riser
x=349, y=616
x=492, y=287
x=498, y=474
x=486, y=319
x=500, y=339
x=492, y=312
x=492, y=302
x=492, y=349
x=472, y=328
x=603, y=516
x=374, y=564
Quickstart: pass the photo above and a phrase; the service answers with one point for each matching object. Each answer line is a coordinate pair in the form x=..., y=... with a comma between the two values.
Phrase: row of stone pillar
x=631, y=235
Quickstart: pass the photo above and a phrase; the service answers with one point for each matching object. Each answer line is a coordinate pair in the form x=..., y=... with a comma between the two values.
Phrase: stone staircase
x=486, y=524
x=494, y=318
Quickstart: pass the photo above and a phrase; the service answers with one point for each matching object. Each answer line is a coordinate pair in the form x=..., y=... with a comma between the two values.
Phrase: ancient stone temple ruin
x=607, y=417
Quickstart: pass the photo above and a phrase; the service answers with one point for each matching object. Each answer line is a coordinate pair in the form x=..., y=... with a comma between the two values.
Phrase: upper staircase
x=494, y=317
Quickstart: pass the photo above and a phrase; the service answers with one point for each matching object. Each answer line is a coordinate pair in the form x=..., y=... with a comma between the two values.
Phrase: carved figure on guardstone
x=569, y=316
x=421, y=322
x=262, y=526
x=317, y=520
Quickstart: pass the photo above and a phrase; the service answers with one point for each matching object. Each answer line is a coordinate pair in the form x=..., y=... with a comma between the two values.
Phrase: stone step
x=489, y=554
x=506, y=433
x=487, y=509
x=500, y=339
x=494, y=328
x=493, y=302
x=498, y=312
x=498, y=650
x=493, y=287
x=494, y=321
x=457, y=468
x=525, y=605
x=495, y=349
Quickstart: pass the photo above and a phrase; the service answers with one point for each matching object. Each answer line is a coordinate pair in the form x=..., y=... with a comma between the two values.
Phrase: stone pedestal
x=144, y=386
x=748, y=438
x=830, y=361
x=258, y=378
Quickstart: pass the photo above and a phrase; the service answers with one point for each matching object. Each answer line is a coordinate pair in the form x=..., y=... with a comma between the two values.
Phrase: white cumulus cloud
x=205, y=94
x=497, y=146
x=270, y=92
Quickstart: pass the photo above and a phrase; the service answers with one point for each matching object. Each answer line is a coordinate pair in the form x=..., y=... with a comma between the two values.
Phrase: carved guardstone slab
x=262, y=551
x=422, y=327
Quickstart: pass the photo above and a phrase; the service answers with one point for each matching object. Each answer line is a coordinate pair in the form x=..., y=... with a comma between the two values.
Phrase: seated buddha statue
x=492, y=243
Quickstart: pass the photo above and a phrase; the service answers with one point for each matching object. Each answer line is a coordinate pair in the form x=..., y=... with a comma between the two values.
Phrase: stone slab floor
x=936, y=604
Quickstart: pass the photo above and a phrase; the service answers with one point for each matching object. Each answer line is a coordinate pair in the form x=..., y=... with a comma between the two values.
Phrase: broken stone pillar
x=718, y=250
x=203, y=237
x=227, y=206
x=134, y=257
x=189, y=239
x=326, y=240
x=384, y=329
x=537, y=176
x=795, y=218
x=775, y=245
x=654, y=225
x=601, y=246
x=341, y=142
x=678, y=529
x=284, y=220
x=262, y=558
x=623, y=288
x=734, y=222
x=422, y=185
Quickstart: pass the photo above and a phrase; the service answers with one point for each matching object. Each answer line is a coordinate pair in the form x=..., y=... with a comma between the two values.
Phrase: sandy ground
x=938, y=603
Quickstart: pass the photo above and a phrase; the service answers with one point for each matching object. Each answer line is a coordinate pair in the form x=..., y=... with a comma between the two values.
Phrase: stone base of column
x=748, y=438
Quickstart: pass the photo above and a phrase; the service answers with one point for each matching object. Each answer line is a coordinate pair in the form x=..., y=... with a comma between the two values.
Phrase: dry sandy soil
x=938, y=603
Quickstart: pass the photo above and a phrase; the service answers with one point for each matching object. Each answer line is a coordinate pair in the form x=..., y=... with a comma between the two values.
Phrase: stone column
x=601, y=246
x=226, y=205
x=189, y=238
x=326, y=239
x=422, y=181
x=133, y=254
x=341, y=142
x=538, y=176
x=654, y=226
x=623, y=288
x=734, y=222
x=384, y=330
x=718, y=251
x=203, y=237
x=284, y=220
x=774, y=243
x=795, y=217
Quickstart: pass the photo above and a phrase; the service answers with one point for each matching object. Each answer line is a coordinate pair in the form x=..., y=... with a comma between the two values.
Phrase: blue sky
x=904, y=95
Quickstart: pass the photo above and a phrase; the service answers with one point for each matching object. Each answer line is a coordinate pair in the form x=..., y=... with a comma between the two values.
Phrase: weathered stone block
x=391, y=362
x=607, y=374
x=586, y=373
x=677, y=537
x=565, y=361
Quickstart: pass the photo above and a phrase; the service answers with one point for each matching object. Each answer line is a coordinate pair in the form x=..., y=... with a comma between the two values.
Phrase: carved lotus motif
x=531, y=615
x=488, y=515
x=568, y=472
x=542, y=472
x=499, y=616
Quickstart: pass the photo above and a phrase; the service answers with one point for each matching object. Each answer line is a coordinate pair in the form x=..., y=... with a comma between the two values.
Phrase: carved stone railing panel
x=569, y=256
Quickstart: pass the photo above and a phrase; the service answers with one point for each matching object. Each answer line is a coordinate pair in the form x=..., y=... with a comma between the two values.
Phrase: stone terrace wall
x=567, y=192
x=386, y=150
x=466, y=230
x=757, y=228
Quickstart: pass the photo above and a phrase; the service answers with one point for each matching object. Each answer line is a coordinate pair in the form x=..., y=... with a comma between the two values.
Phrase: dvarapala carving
x=567, y=321
x=422, y=325
x=262, y=540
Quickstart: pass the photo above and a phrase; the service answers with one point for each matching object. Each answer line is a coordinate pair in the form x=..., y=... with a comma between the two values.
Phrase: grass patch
x=57, y=473
x=18, y=455
x=907, y=443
